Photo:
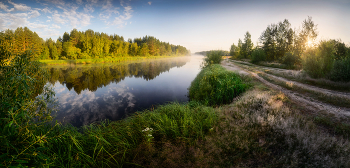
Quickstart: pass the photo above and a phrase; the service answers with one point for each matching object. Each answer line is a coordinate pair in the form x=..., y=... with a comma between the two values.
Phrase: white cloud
x=79, y=1
x=20, y=7
x=54, y=26
x=108, y=9
x=48, y=20
x=33, y=14
x=57, y=18
x=149, y=3
x=57, y=2
x=46, y=10
x=89, y=6
x=4, y=7
x=37, y=26
x=77, y=18
x=122, y=19
x=12, y=21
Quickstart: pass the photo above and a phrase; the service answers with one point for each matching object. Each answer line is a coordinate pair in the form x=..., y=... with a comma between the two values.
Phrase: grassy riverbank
x=101, y=60
x=259, y=127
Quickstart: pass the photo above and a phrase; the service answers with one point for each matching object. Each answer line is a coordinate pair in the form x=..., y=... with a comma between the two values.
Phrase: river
x=96, y=92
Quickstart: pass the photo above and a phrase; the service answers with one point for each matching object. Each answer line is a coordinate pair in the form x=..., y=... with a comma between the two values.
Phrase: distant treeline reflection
x=91, y=77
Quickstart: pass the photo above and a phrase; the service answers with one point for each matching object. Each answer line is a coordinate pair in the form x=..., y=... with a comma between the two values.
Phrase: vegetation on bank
x=100, y=60
x=297, y=49
x=260, y=129
x=215, y=85
x=83, y=45
x=29, y=139
x=223, y=53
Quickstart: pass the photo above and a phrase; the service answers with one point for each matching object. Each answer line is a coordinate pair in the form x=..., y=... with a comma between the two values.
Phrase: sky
x=198, y=25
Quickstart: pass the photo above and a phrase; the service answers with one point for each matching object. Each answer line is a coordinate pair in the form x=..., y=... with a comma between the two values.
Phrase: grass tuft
x=214, y=85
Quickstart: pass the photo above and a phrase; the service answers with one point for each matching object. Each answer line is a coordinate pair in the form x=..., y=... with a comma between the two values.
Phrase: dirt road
x=302, y=99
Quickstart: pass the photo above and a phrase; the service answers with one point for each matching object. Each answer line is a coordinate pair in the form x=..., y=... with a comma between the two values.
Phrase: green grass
x=214, y=85
x=100, y=60
x=118, y=143
x=259, y=129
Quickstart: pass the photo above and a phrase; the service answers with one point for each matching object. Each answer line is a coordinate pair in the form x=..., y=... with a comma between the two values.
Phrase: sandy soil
x=303, y=100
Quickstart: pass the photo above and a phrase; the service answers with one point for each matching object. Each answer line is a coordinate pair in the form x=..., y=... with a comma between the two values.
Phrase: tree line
x=297, y=48
x=82, y=45
x=277, y=40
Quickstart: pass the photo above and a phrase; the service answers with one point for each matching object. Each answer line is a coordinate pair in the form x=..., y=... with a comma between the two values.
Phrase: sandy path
x=228, y=65
x=302, y=100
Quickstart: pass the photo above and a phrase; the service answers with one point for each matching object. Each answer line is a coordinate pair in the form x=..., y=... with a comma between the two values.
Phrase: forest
x=297, y=49
x=82, y=45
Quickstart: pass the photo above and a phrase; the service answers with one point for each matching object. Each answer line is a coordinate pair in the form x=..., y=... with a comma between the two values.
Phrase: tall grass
x=23, y=113
x=214, y=85
x=119, y=143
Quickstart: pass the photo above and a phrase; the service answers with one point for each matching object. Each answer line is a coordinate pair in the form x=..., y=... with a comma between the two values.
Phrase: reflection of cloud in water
x=112, y=103
x=59, y=88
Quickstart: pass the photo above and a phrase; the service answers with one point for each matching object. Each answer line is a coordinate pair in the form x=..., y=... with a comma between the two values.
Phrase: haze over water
x=91, y=93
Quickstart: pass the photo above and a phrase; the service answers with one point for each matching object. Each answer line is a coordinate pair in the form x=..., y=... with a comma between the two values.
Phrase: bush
x=258, y=55
x=341, y=70
x=318, y=62
x=290, y=60
x=213, y=57
x=214, y=85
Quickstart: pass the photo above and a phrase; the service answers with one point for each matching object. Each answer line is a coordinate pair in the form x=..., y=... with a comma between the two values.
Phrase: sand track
x=303, y=100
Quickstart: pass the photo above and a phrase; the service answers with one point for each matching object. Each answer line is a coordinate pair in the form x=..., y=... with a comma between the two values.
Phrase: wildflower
x=147, y=129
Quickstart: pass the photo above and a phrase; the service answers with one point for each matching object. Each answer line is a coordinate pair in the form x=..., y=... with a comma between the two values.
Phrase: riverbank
x=102, y=60
x=259, y=127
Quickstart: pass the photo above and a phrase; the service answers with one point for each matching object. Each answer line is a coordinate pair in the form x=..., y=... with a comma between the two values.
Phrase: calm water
x=90, y=93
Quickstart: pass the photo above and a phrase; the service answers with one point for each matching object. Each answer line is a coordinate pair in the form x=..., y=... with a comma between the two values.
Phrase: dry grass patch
x=259, y=130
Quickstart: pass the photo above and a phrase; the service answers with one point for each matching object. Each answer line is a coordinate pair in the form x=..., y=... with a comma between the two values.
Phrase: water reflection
x=92, y=93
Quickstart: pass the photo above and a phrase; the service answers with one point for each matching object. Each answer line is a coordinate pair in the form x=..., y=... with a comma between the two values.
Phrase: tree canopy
x=82, y=45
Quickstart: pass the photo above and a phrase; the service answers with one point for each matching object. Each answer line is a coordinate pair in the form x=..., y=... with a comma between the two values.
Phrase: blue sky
x=196, y=24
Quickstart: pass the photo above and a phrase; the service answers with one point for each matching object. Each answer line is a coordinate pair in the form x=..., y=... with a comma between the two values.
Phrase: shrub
x=341, y=70
x=213, y=57
x=258, y=55
x=318, y=62
x=214, y=85
x=290, y=60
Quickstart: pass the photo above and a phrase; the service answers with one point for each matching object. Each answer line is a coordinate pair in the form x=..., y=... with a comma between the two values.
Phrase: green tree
x=247, y=46
x=144, y=51
x=308, y=33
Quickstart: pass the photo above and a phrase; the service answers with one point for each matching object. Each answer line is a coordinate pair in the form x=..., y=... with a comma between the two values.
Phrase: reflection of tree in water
x=96, y=76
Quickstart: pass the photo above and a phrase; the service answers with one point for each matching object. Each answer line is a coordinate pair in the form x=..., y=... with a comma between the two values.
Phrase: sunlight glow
x=309, y=43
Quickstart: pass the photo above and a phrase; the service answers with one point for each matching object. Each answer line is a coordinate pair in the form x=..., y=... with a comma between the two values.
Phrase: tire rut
x=302, y=100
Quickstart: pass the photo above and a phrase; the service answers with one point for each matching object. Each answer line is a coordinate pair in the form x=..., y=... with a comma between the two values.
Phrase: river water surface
x=91, y=93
